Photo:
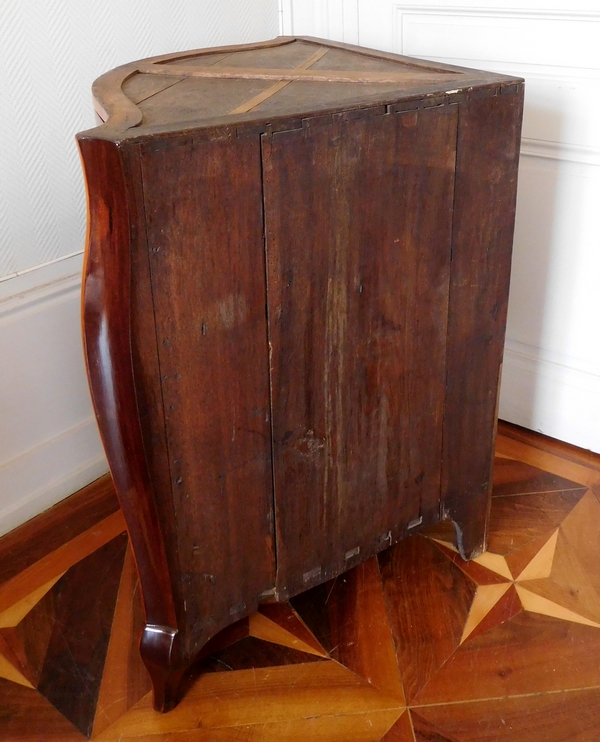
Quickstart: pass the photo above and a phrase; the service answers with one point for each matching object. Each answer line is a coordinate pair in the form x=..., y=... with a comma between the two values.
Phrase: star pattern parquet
x=413, y=646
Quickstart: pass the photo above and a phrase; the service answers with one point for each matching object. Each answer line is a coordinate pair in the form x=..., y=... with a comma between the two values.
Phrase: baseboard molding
x=49, y=443
x=552, y=394
x=37, y=480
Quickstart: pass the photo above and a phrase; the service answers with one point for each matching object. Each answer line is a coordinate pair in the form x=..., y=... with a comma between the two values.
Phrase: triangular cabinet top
x=240, y=88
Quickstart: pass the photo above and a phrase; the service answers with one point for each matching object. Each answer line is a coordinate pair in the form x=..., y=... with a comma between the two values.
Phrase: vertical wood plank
x=359, y=218
x=486, y=178
x=205, y=239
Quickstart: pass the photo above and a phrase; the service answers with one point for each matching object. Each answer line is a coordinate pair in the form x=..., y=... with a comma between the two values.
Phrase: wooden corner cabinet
x=294, y=310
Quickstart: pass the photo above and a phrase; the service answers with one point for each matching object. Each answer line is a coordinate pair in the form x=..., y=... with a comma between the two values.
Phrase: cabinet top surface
x=269, y=83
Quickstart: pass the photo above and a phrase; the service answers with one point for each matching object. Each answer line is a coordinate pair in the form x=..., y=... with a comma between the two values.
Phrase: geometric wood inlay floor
x=413, y=646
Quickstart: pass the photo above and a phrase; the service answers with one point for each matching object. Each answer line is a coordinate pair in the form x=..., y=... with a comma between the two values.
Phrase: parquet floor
x=414, y=646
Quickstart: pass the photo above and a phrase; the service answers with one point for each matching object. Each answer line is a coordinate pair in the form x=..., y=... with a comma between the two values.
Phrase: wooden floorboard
x=41, y=535
x=413, y=646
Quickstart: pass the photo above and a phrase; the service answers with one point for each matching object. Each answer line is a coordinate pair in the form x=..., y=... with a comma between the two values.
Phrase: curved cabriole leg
x=158, y=648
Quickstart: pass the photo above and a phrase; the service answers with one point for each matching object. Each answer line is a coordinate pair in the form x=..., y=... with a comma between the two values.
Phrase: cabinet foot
x=470, y=524
x=471, y=542
x=158, y=651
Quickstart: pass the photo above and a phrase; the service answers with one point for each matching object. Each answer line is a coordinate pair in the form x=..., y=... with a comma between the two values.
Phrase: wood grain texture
x=359, y=727
x=27, y=643
x=287, y=400
x=107, y=333
x=486, y=175
x=428, y=608
x=286, y=693
x=516, y=478
x=72, y=671
x=124, y=678
x=262, y=627
x=358, y=314
x=117, y=92
x=401, y=731
x=518, y=675
x=555, y=717
x=203, y=207
x=41, y=572
x=285, y=616
x=579, y=467
x=518, y=657
x=26, y=716
x=348, y=615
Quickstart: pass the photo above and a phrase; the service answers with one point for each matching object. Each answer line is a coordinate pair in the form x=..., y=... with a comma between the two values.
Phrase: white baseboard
x=551, y=393
x=49, y=443
x=48, y=473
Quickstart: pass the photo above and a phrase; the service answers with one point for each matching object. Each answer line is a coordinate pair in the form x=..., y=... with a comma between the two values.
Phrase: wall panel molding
x=551, y=393
x=337, y=20
x=49, y=443
x=560, y=151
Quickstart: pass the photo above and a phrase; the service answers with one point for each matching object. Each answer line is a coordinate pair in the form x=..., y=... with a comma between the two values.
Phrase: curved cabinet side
x=106, y=315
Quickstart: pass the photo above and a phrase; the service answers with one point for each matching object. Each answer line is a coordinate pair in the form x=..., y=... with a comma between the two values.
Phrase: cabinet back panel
x=358, y=224
x=205, y=238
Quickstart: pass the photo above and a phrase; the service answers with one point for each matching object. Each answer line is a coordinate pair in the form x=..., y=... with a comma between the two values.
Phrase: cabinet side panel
x=205, y=239
x=486, y=181
x=146, y=371
x=106, y=305
x=359, y=221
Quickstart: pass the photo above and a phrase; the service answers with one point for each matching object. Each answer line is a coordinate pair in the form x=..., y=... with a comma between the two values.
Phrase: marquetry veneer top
x=238, y=87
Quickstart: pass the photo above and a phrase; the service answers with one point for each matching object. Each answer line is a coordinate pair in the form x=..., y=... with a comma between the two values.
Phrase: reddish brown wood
x=106, y=325
x=486, y=177
x=294, y=306
x=203, y=205
x=358, y=309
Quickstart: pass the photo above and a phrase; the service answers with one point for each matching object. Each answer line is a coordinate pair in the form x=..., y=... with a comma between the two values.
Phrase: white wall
x=50, y=53
x=551, y=379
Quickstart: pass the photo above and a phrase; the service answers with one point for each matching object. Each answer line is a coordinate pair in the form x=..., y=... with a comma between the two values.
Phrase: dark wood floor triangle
x=85, y=604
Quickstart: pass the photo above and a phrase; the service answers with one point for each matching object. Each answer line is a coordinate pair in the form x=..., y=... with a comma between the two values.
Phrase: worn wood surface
x=358, y=307
x=330, y=666
x=203, y=206
x=134, y=104
x=484, y=207
x=293, y=313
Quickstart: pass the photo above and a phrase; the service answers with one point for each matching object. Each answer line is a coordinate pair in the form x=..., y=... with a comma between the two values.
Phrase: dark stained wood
x=72, y=672
x=516, y=478
x=517, y=520
x=484, y=207
x=428, y=607
x=479, y=574
x=28, y=641
x=348, y=615
x=38, y=537
x=106, y=317
x=518, y=676
x=124, y=678
x=358, y=306
x=272, y=274
x=203, y=204
x=251, y=652
x=26, y=716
